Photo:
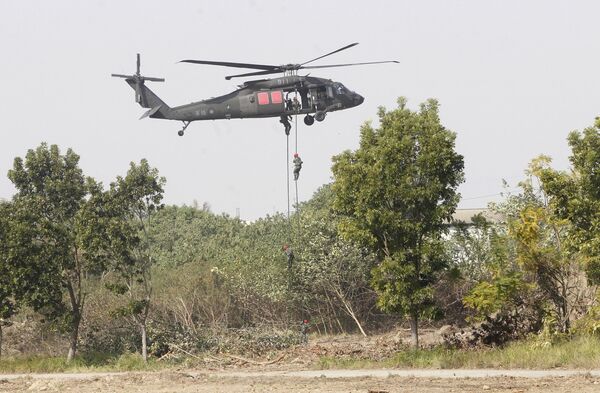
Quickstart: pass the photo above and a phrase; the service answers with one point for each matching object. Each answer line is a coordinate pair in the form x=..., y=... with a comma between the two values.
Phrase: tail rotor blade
x=122, y=76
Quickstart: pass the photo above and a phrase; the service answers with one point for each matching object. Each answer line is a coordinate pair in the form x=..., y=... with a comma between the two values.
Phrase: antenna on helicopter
x=139, y=81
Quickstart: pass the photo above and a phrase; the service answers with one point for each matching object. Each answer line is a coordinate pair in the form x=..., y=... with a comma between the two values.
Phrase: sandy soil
x=257, y=381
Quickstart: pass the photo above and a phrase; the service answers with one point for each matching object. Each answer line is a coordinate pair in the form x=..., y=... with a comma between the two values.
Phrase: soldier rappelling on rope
x=285, y=120
x=289, y=255
x=297, y=166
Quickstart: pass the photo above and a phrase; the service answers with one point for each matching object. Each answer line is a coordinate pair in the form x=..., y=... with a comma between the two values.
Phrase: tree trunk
x=349, y=310
x=74, y=336
x=76, y=307
x=414, y=330
x=144, y=341
x=0, y=339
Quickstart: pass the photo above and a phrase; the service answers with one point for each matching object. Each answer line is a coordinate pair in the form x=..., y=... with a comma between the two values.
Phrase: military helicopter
x=277, y=97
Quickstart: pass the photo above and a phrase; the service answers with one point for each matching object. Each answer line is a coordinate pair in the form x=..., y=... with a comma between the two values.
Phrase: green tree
x=7, y=301
x=395, y=193
x=536, y=261
x=141, y=193
x=51, y=189
x=117, y=224
x=541, y=234
x=575, y=197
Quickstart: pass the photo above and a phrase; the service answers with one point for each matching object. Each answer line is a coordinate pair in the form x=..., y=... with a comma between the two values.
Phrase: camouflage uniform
x=297, y=166
x=304, y=326
x=296, y=104
x=289, y=254
x=285, y=120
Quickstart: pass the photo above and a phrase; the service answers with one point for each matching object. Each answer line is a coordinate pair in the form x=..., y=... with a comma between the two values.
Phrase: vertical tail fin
x=147, y=99
x=143, y=95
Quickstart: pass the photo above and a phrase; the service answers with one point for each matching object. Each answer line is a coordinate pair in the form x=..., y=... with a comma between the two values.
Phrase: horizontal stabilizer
x=150, y=112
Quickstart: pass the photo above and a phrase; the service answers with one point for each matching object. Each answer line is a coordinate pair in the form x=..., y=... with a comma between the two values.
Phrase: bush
x=589, y=324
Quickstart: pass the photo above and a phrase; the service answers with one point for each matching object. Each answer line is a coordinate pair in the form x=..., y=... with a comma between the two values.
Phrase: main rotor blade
x=331, y=53
x=138, y=64
x=230, y=64
x=254, y=73
x=151, y=79
x=351, y=64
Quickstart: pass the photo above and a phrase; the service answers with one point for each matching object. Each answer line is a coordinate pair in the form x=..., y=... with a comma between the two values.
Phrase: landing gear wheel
x=309, y=120
x=320, y=116
x=185, y=125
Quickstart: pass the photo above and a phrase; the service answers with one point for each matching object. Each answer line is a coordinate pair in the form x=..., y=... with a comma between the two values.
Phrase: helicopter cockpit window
x=339, y=88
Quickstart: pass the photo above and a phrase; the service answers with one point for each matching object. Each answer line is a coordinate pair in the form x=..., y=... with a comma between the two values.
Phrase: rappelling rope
x=296, y=182
x=287, y=167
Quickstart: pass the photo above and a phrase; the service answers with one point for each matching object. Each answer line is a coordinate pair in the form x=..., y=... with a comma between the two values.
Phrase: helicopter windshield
x=339, y=88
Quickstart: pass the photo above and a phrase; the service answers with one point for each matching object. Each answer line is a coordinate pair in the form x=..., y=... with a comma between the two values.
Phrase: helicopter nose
x=358, y=99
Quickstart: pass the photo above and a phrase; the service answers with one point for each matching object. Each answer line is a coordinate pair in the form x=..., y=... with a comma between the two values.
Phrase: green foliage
x=576, y=197
x=245, y=261
x=180, y=235
x=7, y=300
x=118, y=288
x=479, y=250
x=401, y=182
x=331, y=271
x=503, y=292
x=131, y=202
x=394, y=194
x=539, y=235
x=51, y=190
x=132, y=308
x=405, y=287
x=533, y=251
x=589, y=324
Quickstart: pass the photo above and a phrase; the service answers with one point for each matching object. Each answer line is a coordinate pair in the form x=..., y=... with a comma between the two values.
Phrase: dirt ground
x=293, y=371
x=205, y=381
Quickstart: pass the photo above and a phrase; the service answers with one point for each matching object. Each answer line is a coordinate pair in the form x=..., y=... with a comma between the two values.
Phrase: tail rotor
x=138, y=80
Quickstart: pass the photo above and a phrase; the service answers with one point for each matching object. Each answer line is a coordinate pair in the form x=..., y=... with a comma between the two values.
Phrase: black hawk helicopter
x=256, y=98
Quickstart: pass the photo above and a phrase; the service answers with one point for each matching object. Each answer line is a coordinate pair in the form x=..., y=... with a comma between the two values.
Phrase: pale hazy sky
x=513, y=78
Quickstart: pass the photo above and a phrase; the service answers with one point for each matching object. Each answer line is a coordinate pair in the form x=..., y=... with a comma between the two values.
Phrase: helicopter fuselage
x=275, y=97
x=290, y=94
